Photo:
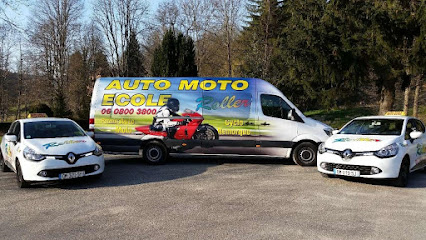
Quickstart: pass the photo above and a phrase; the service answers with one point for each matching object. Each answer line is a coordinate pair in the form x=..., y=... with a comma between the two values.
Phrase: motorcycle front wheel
x=206, y=132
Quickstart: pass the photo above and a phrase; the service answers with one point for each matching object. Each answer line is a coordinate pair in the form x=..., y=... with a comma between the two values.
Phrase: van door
x=276, y=130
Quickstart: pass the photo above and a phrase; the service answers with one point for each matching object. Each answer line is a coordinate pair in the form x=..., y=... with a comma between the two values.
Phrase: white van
x=158, y=116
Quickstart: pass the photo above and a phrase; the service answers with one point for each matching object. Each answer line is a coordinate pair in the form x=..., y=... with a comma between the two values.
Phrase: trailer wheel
x=305, y=154
x=155, y=153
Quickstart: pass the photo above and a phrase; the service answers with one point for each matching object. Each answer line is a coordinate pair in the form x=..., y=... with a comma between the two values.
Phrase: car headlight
x=98, y=150
x=30, y=154
x=388, y=151
x=321, y=148
x=328, y=131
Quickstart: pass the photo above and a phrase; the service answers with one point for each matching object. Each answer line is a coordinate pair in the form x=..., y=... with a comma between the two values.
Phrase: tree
x=54, y=25
x=418, y=59
x=117, y=19
x=260, y=39
x=228, y=16
x=135, y=58
x=86, y=63
x=174, y=57
x=392, y=35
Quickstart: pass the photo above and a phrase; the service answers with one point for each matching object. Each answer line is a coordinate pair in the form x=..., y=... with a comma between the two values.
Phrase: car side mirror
x=415, y=134
x=11, y=138
x=335, y=131
x=90, y=134
x=290, y=115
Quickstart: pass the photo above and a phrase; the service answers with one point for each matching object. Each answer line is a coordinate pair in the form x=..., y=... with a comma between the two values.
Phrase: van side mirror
x=335, y=131
x=415, y=134
x=90, y=134
x=290, y=115
x=10, y=137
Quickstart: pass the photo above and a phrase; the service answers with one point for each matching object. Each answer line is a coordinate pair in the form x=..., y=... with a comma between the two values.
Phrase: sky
x=20, y=12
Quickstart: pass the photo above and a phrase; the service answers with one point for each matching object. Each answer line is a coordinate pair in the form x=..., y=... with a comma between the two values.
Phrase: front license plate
x=351, y=173
x=72, y=175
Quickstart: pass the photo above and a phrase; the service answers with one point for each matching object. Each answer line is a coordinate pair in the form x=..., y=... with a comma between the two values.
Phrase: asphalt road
x=200, y=199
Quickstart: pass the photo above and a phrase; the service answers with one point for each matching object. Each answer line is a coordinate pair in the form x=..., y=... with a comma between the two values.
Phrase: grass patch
x=336, y=118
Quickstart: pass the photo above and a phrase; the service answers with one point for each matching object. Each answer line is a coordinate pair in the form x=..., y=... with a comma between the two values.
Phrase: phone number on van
x=125, y=111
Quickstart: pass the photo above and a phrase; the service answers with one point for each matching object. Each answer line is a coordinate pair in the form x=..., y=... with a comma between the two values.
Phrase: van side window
x=274, y=106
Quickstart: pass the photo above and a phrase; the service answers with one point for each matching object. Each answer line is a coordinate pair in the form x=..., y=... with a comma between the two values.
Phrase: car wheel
x=305, y=154
x=404, y=171
x=21, y=182
x=155, y=153
x=3, y=166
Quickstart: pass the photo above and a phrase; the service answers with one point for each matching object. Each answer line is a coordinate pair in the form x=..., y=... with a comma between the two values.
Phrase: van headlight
x=321, y=148
x=30, y=154
x=388, y=151
x=98, y=150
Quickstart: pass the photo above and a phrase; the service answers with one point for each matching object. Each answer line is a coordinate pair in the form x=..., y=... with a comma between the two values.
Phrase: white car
x=386, y=147
x=45, y=149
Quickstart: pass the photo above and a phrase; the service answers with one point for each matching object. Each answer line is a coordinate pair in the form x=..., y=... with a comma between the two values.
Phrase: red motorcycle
x=189, y=127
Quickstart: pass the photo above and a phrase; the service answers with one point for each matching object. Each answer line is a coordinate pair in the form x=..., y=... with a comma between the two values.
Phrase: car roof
x=396, y=117
x=26, y=120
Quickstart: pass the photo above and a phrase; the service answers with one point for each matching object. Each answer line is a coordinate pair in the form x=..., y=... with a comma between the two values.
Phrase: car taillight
x=91, y=121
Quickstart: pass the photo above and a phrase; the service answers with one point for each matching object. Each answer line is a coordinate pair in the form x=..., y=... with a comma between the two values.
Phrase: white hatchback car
x=44, y=149
x=386, y=147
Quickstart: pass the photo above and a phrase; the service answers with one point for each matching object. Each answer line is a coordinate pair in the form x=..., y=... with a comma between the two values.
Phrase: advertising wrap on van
x=208, y=115
x=125, y=104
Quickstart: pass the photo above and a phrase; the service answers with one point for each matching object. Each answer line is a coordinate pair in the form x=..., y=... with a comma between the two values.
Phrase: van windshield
x=374, y=127
x=51, y=129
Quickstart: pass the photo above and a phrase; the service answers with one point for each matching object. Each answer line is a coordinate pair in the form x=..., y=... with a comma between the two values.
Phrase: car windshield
x=374, y=127
x=51, y=129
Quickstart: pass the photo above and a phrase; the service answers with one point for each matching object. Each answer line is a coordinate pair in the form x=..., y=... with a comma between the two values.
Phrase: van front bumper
x=388, y=167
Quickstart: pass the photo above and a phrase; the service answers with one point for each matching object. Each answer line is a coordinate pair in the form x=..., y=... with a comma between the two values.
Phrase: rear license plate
x=72, y=175
x=342, y=172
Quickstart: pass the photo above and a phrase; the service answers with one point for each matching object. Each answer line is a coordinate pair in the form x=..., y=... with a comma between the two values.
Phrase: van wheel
x=305, y=154
x=404, y=171
x=19, y=177
x=3, y=166
x=155, y=153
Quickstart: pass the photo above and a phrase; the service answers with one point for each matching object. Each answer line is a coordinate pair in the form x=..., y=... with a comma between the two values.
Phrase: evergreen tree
x=134, y=58
x=175, y=57
x=259, y=40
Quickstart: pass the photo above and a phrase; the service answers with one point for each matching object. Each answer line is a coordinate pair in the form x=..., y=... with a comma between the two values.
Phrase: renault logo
x=347, y=154
x=71, y=157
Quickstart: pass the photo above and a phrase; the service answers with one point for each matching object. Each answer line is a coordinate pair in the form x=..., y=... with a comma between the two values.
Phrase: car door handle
x=265, y=124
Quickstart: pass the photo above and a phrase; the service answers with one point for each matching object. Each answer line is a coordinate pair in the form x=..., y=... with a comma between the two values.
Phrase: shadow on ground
x=125, y=170
x=416, y=180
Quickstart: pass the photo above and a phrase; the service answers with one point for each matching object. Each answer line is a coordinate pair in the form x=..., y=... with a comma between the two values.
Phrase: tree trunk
x=407, y=99
x=387, y=97
x=419, y=85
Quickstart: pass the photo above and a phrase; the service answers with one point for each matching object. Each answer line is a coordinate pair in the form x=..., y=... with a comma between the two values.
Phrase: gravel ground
x=198, y=198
